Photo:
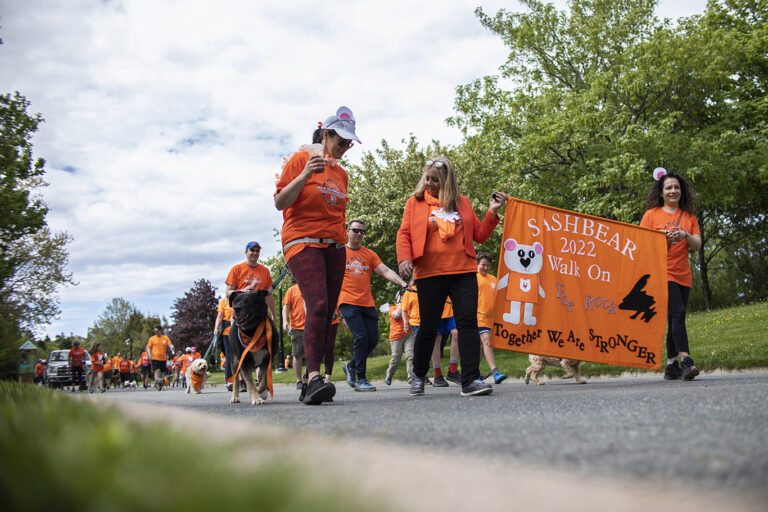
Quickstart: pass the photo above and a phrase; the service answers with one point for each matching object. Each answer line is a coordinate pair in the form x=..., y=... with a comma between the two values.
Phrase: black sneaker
x=484, y=376
x=318, y=391
x=477, y=388
x=689, y=369
x=673, y=372
x=333, y=393
x=350, y=374
x=417, y=387
x=302, y=390
x=440, y=382
x=454, y=377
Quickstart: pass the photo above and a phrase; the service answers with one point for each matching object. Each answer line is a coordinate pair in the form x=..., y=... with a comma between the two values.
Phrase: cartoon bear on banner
x=524, y=263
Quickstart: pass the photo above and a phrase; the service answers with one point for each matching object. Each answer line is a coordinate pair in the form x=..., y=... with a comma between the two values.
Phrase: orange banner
x=580, y=287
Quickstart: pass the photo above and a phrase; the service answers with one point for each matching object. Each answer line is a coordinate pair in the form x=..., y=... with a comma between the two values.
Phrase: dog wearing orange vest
x=250, y=344
x=196, y=376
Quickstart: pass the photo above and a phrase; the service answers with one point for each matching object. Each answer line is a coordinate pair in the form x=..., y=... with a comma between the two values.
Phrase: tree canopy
x=194, y=315
x=592, y=99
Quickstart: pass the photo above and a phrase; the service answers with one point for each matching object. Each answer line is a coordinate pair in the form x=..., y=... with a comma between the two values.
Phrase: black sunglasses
x=357, y=231
x=344, y=143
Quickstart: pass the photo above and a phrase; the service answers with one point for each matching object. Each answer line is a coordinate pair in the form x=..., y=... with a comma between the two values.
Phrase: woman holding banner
x=435, y=243
x=669, y=208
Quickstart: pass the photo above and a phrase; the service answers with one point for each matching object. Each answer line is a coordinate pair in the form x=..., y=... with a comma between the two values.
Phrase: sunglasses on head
x=436, y=163
x=357, y=231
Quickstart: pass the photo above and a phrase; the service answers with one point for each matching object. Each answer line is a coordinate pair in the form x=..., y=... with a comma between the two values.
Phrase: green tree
x=40, y=268
x=592, y=99
x=20, y=174
x=32, y=259
x=121, y=321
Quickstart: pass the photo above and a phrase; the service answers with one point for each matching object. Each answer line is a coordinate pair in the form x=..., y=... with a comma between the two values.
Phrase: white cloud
x=167, y=121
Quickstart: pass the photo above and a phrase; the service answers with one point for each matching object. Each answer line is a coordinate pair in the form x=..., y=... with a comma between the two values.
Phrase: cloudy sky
x=166, y=121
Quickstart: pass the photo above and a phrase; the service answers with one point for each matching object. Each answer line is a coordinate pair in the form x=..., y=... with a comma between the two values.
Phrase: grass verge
x=60, y=453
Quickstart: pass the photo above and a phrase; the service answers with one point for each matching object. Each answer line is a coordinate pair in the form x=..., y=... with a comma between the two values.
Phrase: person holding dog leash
x=312, y=194
x=669, y=208
x=435, y=242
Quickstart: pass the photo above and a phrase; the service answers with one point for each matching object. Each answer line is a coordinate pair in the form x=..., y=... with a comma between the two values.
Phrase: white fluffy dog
x=196, y=376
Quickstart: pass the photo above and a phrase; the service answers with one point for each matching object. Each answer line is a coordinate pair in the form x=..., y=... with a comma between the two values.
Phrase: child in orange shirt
x=400, y=340
x=486, y=298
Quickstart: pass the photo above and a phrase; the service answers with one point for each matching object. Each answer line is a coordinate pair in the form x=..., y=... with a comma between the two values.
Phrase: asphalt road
x=709, y=433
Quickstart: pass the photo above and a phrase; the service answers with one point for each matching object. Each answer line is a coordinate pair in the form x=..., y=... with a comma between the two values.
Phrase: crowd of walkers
x=159, y=365
x=446, y=292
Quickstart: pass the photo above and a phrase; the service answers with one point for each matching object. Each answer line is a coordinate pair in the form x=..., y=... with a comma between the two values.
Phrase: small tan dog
x=538, y=363
x=197, y=375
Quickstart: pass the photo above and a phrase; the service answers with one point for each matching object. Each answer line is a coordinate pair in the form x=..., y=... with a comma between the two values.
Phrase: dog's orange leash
x=265, y=324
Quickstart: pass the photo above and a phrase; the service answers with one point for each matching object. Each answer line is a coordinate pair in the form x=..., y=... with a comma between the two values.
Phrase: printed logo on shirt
x=332, y=192
x=356, y=266
x=453, y=217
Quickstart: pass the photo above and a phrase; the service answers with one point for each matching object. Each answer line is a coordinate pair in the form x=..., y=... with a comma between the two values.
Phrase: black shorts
x=146, y=369
x=125, y=376
x=158, y=365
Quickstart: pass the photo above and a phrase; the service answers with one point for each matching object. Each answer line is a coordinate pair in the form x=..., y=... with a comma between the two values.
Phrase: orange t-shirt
x=39, y=369
x=295, y=303
x=77, y=355
x=523, y=287
x=125, y=366
x=97, y=362
x=196, y=355
x=486, y=297
x=158, y=346
x=133, y=365
x=186, y=360
x=410, y=304
x=678, y=268
x=108, y=365
x=226, y=313
x=443, y=257
x=144, y=360
x=242, y=275
x=396, y=329
x=356, y=288
x=319, y=211
x=447, y=309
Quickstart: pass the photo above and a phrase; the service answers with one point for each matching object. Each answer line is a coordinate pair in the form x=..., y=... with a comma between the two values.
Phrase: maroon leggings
x=319, y=273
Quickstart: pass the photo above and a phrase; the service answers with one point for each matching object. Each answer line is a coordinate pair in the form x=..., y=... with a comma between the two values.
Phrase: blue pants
x=363, y=323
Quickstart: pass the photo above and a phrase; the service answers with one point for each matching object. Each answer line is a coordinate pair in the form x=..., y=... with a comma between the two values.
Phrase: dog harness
x=307, y=240
x=264, y=328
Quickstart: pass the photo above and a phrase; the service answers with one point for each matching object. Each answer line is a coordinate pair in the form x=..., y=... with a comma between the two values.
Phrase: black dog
x=249, y=312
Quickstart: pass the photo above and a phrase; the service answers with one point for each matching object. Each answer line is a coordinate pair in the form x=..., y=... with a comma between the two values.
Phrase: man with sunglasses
x=356, y=303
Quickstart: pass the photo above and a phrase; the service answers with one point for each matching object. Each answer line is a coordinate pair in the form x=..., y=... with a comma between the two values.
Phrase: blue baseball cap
x=252, y=244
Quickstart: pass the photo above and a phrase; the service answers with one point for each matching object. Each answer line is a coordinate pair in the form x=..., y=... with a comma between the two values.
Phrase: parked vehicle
x=58, y=374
